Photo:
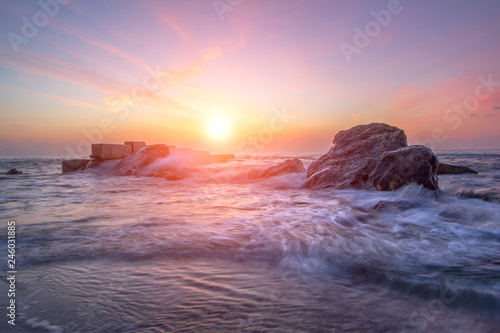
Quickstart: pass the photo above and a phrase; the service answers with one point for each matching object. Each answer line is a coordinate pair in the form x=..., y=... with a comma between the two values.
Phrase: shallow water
x=218, y=252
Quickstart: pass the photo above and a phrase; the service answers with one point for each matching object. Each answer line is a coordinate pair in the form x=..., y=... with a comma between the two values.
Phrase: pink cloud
x=73, y=102
x=56, y=69
x=110, y=49
x=172, y=23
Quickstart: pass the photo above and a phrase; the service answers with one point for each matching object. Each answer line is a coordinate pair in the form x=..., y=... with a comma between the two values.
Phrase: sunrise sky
x=283, y=75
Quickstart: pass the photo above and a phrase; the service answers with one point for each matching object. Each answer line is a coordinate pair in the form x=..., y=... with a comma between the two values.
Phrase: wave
x=411, y=241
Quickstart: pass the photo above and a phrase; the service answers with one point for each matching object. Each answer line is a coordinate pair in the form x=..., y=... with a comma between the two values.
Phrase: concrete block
x=106, y=151
x=193, y=157
x=221, y=158
x=75, y=165
x=136, y=145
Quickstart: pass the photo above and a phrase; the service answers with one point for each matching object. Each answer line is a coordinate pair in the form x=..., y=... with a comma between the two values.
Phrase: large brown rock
x=397, y=168
x=354, y=155
x=140, y=159
x=373, y=155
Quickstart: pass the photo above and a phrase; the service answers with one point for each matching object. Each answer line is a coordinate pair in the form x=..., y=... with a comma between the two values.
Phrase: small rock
x=140, y=159
x=14, y=171
x=166, y=174
x=395, y=206
x=289, y=166
x=448, y=169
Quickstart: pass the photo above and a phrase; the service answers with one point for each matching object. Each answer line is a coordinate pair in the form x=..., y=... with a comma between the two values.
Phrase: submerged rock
x=14, y=171
x=397, y=168
x=167, y=174
x=486, y=194
x=289, y=166
x=396, y=206
x=374, y=155
x=449, y=169
x=140, y=159
x=354, y=155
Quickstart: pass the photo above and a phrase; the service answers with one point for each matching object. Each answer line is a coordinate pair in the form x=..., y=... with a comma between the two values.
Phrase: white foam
x=44, y=324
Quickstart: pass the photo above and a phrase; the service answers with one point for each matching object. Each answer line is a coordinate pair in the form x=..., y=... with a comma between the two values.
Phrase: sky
x=246, y=75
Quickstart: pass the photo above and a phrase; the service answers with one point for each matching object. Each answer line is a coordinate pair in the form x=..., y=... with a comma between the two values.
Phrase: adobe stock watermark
x=456, y=114
x=30, y=27
x=224, y=6
x=363, y=37
x=122, y=106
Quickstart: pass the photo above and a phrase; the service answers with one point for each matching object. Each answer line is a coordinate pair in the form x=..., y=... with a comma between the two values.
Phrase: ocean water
x=217, y=252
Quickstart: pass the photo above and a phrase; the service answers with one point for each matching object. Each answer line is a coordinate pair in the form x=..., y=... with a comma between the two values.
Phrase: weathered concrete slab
x=193, y=157
x=221, y=158
x=201, y=156
x=75, y=165
x=107, y=151
x=136, y=145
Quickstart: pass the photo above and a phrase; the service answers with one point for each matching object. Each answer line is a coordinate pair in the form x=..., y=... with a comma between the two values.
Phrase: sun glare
x=218, y=127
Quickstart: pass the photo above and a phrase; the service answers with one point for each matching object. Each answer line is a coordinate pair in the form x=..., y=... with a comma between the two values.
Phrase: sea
x=219, y=251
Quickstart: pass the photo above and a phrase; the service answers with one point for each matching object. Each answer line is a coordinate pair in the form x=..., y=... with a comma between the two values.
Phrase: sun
x=218, y=127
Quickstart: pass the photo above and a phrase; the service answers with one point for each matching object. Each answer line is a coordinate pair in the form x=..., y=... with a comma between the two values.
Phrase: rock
x=140, y=159
x=289, y=166
x=354, y=155
x=397, y=168
x=396, y=206
x=374, y=155
x=448, y=169
x=14, y=171
x=77, y=165
x=167, y=174
x=485, y=194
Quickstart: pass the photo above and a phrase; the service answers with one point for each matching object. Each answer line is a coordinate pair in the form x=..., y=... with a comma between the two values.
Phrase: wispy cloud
x=53, y=68
x=110, y=49
x=179, y=29
x=74, y=102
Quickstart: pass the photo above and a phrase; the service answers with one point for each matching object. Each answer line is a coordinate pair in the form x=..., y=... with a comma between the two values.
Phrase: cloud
x=177, y=28
x=51, y=67
x=73, y=102
x=110, y=49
